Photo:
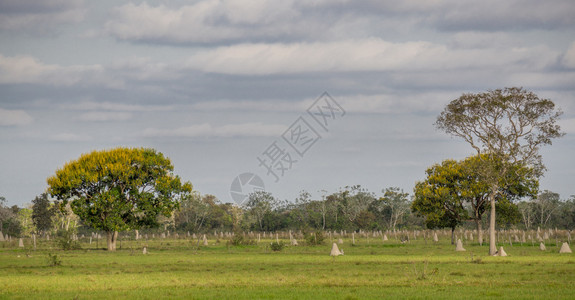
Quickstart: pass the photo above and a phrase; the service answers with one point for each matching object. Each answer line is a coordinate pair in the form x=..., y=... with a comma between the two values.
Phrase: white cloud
x=104, y=116
x=370, y=54
x=27, y=69
x=69, y=137
x=229, y=21
x=569, y=57
x=207, y=130
x=114, y=106
x=203, y=22
x=14, y=117
x=252, y=105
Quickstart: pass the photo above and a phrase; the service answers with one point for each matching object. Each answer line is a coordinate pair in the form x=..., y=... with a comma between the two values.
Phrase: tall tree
x=194, y=211
x=509, y=126
x=43, y=212
x=119, y=189
x=546, y=205
x=259, y=204
x=397, y=203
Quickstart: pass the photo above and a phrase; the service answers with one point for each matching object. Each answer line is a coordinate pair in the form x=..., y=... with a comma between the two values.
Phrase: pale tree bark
x=492, y=238
x=479, y=231
x=112, y=237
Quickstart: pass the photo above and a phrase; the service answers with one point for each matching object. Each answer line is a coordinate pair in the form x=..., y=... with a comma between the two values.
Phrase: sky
x=308, y=95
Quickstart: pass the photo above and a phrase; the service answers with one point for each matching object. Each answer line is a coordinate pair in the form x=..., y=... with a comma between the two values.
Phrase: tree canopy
x=119, y=189
x=507, y=125
x=454, y=191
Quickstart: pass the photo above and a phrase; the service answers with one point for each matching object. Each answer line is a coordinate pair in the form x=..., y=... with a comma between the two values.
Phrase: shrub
x=238, y=239
x=276, y=247
x=66, y=240
x=53, y=260
x=314, y=238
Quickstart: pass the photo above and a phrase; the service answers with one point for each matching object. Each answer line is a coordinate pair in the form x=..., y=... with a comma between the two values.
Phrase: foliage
x=65, y=239
x=119, y=189
x=508, y=126
x=195, y=211
x=53, y=260
x=258, y=205
x=238, y=239
x=277, y=246
x=9, y=222
x=438, y=198
x=314, y=238
x=43, y=213
x=24, y=216
x=396, y=203
x=452, y=187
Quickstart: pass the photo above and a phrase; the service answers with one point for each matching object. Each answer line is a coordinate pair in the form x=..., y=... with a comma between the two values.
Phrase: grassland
x=177, y=268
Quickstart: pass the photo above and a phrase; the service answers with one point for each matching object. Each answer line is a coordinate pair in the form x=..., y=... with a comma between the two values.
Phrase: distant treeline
x=351, y=208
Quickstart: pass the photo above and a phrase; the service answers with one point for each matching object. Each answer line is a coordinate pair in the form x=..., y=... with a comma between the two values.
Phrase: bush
x=276, y=247
x=66, y=240
x=54, y=260
x=238, y=239
x=314, y=238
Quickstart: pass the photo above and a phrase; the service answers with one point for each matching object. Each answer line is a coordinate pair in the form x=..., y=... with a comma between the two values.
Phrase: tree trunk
x=479, y=227
x=492, y=238
x=112, y=237
x=479, y=232
x=452, y=235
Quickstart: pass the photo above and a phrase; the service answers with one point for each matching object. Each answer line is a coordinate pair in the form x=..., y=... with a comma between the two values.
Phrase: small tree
x=42, y=213
x=509, y=126
x=119, y=189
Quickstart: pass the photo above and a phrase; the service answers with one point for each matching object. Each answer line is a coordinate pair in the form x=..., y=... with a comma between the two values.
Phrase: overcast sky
x=217, y=84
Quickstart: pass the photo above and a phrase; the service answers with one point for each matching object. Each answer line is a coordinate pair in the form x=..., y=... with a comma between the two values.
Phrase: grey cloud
x=14, y=117
x=39, y=17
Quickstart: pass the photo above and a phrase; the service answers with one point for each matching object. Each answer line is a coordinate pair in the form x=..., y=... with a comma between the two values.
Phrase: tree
x=42, y=213
x=439, y=198
x=527, y=211
x=259, y=204
x=194, y=211
x=546, y=205
x=119, y=189
x=25, y=219
x=9, y=222
x=397, y=203
x=509, y=126
x=458, y=185
x=355, y=200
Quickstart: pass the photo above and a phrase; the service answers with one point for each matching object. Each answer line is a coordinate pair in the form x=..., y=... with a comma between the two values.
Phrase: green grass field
x=178, y=269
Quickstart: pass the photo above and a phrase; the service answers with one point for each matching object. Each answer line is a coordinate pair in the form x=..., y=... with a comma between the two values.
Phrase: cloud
x=114, y=106
x=207, y=130
x=69, y=137
x=104, y=116
x=205, y=22
x=14, y=117
x=39, y=17
x=27, y=69
x=569, y=57
x=232, y=21
x=372, y=54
